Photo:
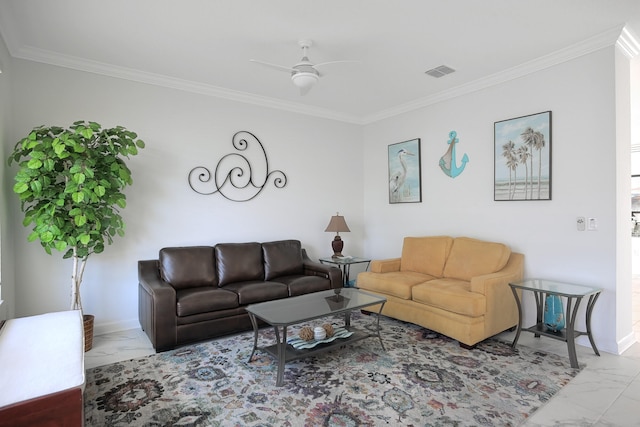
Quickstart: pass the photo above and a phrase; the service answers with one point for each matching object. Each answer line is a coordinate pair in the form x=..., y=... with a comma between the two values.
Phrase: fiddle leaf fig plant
x=70, y=185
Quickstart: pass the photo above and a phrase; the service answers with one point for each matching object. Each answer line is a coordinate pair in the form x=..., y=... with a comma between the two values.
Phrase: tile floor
x=605, y=393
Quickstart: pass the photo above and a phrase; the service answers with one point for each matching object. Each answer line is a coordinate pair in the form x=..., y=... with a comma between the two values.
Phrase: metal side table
x=345, y=263
x=574, y=294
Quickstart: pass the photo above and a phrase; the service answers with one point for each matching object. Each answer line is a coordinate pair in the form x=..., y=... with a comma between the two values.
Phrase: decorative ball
x=306, y=333
x=328, y=327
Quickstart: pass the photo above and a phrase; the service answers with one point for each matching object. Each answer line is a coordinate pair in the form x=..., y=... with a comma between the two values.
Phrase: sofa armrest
x=385, y=265
x=156, y=306
x=312, y=268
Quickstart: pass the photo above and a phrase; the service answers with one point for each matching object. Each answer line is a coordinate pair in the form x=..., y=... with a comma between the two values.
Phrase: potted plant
x=70, y=186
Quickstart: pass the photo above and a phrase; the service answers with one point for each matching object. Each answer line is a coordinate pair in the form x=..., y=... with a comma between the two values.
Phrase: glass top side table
x=344, y=263
x=573, y=294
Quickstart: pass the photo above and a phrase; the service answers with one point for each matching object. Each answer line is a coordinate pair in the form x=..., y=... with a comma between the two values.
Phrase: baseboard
x=100, y=328
x=625, y=343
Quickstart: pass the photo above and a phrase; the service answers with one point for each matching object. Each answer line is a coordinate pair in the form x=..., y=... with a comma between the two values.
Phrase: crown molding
x=628, y=43
x=592, y=44
x=95, y=67
x=619, y=36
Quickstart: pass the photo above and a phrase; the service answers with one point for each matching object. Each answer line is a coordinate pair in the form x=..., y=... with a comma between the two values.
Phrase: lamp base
x=337, y=244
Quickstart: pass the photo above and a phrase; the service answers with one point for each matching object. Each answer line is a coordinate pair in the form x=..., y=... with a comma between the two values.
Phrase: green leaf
x=80, y=220
x=79, y=178
x=61, y=245
x=20, y=187
x=36, y=187
x=87, y=133
x=100, y=190
x=34, y=164
x=78, y=197
x=84, y=239
x=46, y=237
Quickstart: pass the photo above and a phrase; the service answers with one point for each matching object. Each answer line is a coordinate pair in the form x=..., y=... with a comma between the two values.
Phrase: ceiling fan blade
x=274, y=66
x=335, y=62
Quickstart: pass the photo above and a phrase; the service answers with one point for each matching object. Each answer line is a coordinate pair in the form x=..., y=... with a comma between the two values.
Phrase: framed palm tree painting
x=404, y=172
x=522, y=168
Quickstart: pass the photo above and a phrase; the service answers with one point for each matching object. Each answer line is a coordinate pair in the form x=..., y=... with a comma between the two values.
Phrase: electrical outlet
x=580, y=222
x=592, y=224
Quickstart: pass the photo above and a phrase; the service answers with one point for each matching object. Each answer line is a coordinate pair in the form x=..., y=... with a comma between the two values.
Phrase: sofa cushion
x=451, y=295
x=282, y=258
x=300, y=285
x=238, y=262
x=188, y=267
x=253, y=292
x=397, y=283
x=471, y=257
x=426, y=255
x=202, y=300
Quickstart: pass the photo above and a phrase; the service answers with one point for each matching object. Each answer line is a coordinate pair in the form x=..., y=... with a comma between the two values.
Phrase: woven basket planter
x=88, y=331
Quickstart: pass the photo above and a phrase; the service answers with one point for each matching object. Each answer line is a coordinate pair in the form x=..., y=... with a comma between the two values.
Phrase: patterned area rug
x=423, y=378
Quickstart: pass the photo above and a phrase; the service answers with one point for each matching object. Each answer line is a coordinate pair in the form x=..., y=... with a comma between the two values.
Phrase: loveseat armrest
x=385, y=265
x=501, y=310
x=513, y=271
x=312, y=268
x=156, y=306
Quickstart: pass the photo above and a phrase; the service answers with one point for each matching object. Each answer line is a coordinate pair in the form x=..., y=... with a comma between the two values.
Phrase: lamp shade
x=337, y=224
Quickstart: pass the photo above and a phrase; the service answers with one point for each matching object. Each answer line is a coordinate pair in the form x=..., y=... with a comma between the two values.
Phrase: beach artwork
x=404, y=172
x=523, y=158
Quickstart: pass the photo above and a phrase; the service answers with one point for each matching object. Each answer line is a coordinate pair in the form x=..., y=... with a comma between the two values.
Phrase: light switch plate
x=581, y=223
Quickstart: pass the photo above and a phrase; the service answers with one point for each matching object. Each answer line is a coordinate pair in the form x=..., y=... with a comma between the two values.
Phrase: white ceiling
x=205, y=45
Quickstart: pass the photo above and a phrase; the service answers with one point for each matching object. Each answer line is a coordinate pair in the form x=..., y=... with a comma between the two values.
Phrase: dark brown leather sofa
x=195, y=293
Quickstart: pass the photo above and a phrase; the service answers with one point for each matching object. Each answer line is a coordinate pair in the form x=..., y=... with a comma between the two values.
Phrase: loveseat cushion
x=426, y=255
x=238, y=262
x=188, y=267
x=282, y=258
x=397, y=284
x=203, y=300
x=471, y=257
x=451, y=295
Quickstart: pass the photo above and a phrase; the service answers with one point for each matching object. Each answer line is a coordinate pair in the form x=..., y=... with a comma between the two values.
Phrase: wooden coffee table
x=280, y=314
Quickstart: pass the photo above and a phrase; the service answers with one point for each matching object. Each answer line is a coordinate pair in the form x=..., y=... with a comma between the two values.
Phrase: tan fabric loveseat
x=458, y=287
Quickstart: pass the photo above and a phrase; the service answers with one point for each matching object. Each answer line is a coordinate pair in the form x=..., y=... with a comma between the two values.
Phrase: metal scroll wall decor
x=240, y=176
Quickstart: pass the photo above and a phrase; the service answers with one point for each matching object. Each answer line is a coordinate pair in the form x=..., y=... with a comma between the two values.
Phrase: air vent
x=440, y=71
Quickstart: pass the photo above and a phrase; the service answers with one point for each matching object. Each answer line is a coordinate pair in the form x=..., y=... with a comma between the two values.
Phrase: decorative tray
x=299, y=343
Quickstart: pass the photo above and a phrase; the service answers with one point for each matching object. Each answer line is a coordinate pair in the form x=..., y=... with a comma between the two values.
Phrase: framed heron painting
x=404, y=172
x=522, y=158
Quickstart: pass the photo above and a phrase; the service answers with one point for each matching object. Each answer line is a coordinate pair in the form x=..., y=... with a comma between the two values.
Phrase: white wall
x=580, y=93
x=6, y=231
x=321, y=158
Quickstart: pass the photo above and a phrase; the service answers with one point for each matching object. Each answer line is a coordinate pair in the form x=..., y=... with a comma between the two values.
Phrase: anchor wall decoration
x=448, y=160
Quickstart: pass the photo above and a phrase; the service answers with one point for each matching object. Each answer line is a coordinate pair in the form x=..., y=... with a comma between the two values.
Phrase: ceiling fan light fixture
x=304, y=79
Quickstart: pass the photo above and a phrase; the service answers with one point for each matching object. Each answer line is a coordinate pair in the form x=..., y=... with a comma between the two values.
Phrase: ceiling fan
x=304, y=74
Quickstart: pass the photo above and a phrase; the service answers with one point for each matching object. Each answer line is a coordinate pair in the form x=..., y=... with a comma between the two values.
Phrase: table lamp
x=337, y=224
